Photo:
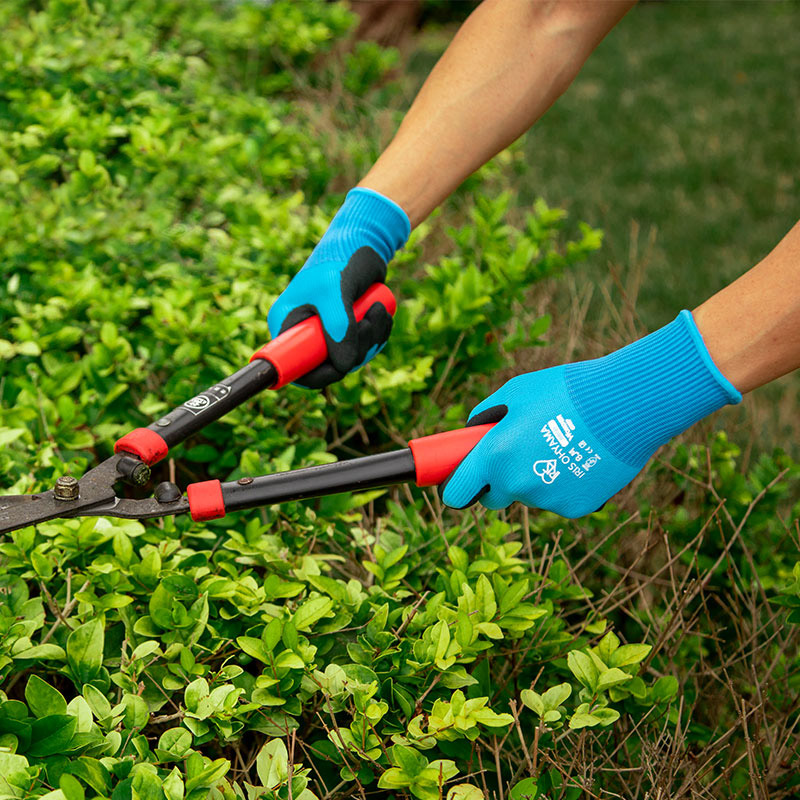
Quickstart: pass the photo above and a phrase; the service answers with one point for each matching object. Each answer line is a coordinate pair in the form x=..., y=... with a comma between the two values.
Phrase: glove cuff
x=366, y=219
x=659, y=386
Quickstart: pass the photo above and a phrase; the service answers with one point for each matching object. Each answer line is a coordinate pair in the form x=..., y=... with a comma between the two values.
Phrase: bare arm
x=752, y=327
x=505, y=67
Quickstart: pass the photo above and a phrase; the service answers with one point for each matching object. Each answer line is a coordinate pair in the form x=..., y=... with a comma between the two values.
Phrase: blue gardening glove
x=352, y=255
x=570, y=437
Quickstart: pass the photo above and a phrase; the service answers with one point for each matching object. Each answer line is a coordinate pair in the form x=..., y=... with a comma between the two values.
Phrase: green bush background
x=164, y=168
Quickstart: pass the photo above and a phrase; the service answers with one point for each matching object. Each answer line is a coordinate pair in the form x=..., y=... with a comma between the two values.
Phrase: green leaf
x=526, y=789
x=196, y=691
x=583, y=720
x=465, y=791
x=606, y=647
x=440, y=771
x=97, y=701
x=464, y=629
x=629, y=654
x=393, y=778
x=458, y=557
x=311, y=611
x=272, y=634
x=583, y=668
x=71, y=788
x=79, y=708
x=254, y=648
x=137, y=714
x=441, y=641
x=533, y=700
x=173, y=786
x=208, y=776
x=272, y=764
x=408, y=760
x=556, y=696
x=51, y=735
x=86, y=162
x=42, y=699
x=484, y=597
x=665, y=688
x=175, y=741
x=289, y=660
x=85, y=650
x=607, y=716
x=612, y=677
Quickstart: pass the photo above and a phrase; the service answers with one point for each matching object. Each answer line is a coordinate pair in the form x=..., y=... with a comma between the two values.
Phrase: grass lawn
x=682, y=125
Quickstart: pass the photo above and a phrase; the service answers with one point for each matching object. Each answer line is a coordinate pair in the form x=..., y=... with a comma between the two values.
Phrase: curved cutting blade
x=94, y=488
x=19, y=511
x=148, y=508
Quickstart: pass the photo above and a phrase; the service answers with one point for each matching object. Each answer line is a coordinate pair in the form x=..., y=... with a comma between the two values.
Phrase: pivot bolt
x=167, y=492
x=133, y=470
x=66, y=488
x=244, y=481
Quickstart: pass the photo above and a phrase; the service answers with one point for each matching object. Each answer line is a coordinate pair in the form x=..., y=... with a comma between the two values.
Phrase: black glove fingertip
x=488, y=415
x=442, y=486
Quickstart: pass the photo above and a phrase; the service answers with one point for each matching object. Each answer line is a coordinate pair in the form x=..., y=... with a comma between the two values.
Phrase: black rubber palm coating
x=364, y=268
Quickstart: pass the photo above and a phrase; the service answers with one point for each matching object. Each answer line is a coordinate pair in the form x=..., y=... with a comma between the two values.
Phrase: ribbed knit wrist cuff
x=366, y=219
x=638, y=398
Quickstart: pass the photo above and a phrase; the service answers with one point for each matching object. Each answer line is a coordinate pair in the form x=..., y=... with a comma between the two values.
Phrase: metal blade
x=95, y=487
x=124, y=508
x=22, y=510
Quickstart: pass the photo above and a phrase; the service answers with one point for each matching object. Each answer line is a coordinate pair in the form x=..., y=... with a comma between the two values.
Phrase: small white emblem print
x=197, y=403
x=546, y=469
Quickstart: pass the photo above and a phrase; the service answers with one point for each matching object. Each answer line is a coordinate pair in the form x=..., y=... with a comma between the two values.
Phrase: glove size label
x=578, y=459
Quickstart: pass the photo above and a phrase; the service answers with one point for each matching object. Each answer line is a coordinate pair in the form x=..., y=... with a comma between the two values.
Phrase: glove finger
x=345, y=352
x=320, y=377
x=373, y=332
x=338, y=322
x=290, y=319
x=281, y=309
x=364, y=268
x=335, y=318
x=496, y=499
x=489, y=414
x=466, y=484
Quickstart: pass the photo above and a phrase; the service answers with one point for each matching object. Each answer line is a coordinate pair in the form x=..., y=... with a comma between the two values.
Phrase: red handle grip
x=302, y=348
x=205, y=500
x=436, y=456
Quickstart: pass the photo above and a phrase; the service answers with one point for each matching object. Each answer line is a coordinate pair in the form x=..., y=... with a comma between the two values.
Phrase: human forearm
x=506, y=66
x=752, y=327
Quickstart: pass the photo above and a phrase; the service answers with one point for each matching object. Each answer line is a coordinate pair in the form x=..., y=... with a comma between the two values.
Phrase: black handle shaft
x=214, y=402
x=357, y=474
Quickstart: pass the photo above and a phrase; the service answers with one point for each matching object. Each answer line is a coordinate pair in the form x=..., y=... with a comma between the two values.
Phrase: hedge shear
x=427, y=460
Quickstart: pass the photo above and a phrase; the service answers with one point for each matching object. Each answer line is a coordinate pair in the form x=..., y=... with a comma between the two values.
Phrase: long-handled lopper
x=427, y=461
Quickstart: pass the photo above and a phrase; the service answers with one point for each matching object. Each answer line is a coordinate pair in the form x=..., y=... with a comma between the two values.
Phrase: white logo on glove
x=561, y=429
x=547, y=470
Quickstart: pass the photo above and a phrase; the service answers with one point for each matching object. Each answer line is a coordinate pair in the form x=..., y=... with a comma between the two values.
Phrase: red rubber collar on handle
x=143, y=442
x=205, y=500
x=436, y=456
x=302, y=347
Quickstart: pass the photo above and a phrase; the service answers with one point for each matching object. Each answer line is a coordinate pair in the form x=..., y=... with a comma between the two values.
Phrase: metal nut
x=244, y=481
x=167, y=492
x=66, y=488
